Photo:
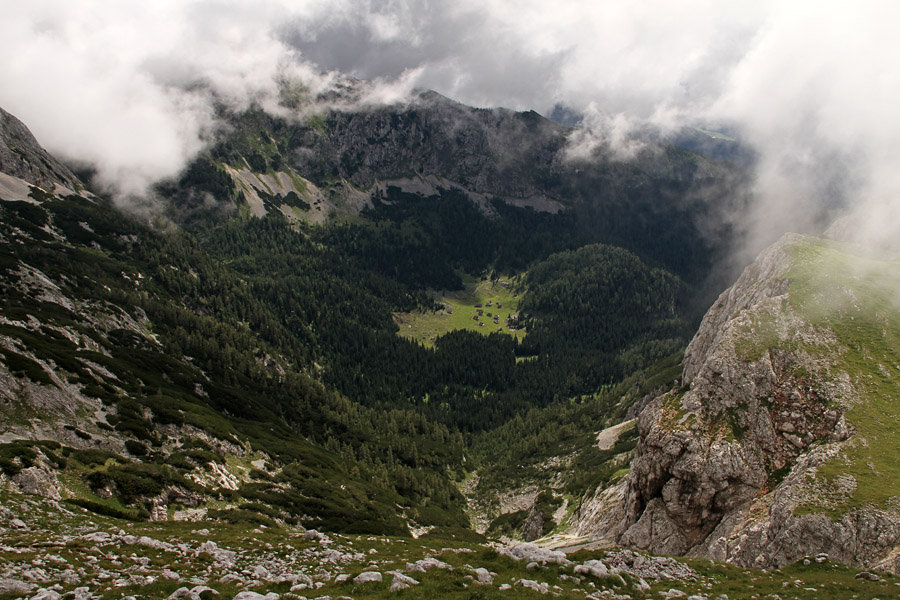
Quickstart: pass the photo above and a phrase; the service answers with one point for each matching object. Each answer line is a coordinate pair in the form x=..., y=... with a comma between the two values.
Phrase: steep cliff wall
x=778, y=445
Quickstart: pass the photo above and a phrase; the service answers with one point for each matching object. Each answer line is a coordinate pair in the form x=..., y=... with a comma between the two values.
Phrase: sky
x=811, y=86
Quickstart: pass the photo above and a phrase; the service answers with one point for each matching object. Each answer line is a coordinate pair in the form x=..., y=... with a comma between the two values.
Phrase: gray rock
x=530, y=584
x=421, y=566
x=82, y=593
x=202, y=590
x=247, y=595
x=594, y=568
x=531, y=553
x=342, y=578
x=649, y=567
x=18, y=524
x=22, y=156
x=868, y=576
x=45, y=594
x=15, y=586
x=483, y=576
x=222, y=556
x=534, y=525
x=401, y=579
x=368, y=577
x=38, y=481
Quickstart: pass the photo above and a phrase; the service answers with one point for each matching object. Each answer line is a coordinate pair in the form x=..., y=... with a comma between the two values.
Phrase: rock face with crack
x=760, y=456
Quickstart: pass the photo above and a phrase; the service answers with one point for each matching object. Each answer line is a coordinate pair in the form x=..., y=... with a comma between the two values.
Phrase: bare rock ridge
x=761, y=457
x=23, y=157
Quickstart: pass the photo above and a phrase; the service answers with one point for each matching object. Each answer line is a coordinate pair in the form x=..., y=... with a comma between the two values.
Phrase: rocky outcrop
x=726, y=462
x=21, y=156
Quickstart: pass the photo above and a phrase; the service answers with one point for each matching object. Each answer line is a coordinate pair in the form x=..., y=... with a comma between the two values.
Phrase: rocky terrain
x=51, y=550
x=770, y=450
x=22, y=157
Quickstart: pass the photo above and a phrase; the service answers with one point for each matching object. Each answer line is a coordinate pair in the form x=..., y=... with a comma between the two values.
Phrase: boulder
x=368, y=577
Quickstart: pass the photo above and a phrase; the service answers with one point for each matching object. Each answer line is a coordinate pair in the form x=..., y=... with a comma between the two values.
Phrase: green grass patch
x=858, y=298
x=460, y=309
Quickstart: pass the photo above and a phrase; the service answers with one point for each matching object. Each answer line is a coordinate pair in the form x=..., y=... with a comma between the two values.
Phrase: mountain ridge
x=758, y=458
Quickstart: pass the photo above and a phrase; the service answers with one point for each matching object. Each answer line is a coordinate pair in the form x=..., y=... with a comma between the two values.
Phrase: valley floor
x=51, y=550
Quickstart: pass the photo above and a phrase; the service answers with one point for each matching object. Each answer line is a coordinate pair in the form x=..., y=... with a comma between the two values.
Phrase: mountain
x=334, y=161
x=242, y=354
x=444, y=336
x=778, y=443
x=23, y=159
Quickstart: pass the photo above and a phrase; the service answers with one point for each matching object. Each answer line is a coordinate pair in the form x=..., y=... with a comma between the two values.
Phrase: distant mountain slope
x=139, y=377
x=781, y=443
x=659, y=203
x=21, y=156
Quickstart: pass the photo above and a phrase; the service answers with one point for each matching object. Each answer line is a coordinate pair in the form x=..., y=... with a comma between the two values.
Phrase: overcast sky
x=813, y=86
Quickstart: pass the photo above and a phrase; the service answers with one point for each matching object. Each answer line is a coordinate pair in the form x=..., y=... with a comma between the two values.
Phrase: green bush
x=135, y=448
x=16, y=456
x=94, y=456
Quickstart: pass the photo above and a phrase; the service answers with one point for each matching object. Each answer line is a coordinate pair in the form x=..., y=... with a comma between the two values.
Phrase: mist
x=811, y=87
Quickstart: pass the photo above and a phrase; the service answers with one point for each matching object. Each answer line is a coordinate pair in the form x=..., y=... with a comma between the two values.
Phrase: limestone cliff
x=779, y=443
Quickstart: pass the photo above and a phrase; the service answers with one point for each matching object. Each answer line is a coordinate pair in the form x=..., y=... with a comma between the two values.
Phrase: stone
x=404, y=579
x=534, y=525
x=38, y=481
x=368, y=577
x=594, y=568
x=532, y=553
x=247, y=595
x=868, y=576
x=483, y=576
x=530, y=584
x=45, y=594
x=18, y=524
x=342, y=578
x=421, y=566
x=15, y=586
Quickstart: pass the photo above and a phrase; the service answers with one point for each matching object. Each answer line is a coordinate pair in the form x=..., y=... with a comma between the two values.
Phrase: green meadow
x=460, y=309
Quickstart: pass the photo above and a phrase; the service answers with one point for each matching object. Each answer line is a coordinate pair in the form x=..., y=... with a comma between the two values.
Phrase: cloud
x=810, y=85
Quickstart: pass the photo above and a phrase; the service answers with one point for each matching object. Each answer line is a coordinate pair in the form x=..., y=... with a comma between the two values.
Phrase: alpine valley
x=425, y=350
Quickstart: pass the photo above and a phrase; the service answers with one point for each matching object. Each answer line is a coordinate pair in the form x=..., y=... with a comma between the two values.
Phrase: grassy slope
x=459, y=310
x=859, y=299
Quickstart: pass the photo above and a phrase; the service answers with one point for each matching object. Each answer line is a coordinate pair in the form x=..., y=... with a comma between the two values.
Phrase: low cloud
x=810, y=86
